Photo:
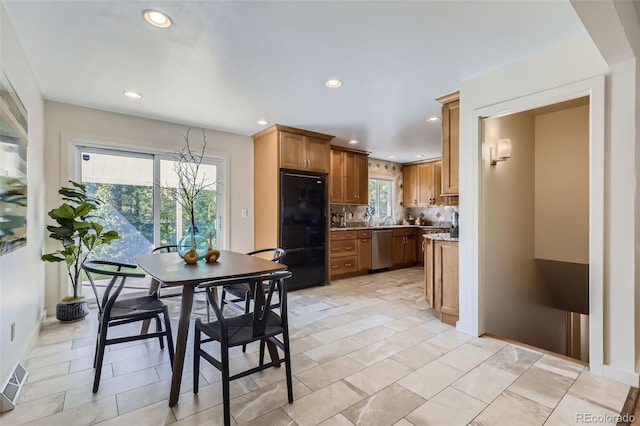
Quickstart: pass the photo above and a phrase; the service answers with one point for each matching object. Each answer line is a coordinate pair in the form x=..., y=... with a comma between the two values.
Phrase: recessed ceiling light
x=433, y=119
x=262, y=122
x=333, y=84
x=354, y=142
x=391, y=157
x=419, y=155
x=131, y=94
x=156, y=18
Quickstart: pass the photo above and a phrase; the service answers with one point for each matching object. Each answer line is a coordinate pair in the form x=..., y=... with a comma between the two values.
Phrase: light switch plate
x=244, y=213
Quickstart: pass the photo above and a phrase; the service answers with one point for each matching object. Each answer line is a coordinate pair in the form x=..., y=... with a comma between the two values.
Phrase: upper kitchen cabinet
x=349, y=177
x=299, y=149
x=450, y=142
x=421, y=184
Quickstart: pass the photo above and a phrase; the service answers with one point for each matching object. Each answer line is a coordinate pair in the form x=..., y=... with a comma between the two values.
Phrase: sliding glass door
x=139, y=202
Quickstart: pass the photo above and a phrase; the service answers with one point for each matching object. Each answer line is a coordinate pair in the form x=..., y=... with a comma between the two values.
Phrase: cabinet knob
x=348, y=248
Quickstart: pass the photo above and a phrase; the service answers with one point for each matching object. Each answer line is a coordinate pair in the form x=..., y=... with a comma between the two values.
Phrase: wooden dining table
x=170, y=270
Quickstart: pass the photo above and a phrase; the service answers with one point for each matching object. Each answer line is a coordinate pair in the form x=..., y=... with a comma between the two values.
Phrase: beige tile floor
x=366, y=351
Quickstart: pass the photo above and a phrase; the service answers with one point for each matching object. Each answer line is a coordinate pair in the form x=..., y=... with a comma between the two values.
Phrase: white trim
x=629, y=378
x=472, y=293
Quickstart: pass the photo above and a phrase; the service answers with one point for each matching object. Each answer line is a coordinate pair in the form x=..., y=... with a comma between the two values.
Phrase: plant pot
x=72, y=310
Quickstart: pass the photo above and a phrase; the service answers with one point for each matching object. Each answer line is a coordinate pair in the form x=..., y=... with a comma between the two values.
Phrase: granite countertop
x=440, y=237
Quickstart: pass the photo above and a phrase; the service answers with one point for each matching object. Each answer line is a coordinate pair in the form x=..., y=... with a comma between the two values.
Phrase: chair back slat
x=262, y=302
x=116, y=283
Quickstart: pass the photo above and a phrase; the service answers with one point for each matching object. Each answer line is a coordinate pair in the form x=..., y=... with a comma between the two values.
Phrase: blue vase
x=184, y=245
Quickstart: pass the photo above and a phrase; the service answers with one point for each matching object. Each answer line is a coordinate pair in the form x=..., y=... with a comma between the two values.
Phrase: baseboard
x=627, y=377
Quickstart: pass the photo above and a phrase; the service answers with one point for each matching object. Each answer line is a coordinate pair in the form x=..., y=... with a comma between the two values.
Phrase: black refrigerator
x=303, y=227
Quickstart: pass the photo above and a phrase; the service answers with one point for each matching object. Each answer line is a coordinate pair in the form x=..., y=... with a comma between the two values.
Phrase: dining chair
x=264, y=323
x=242, y=292
x=115, y=310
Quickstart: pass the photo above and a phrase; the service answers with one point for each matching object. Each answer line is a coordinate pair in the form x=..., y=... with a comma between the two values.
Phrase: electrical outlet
x=13, y=331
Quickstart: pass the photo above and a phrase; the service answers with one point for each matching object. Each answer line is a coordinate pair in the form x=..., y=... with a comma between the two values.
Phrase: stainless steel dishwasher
x=381, y=249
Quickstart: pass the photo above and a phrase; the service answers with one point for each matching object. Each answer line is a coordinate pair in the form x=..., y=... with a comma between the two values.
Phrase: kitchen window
x=381, y=197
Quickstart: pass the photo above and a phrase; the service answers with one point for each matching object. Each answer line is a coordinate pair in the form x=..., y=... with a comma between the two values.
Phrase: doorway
x=536, y=226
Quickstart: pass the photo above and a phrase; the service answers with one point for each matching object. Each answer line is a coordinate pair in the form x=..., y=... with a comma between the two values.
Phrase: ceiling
x=225, y=65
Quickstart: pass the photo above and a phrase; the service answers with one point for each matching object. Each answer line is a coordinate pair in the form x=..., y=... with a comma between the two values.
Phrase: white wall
x=562, y=185
x=21, y=271
x=558, y=72
x=65, y=122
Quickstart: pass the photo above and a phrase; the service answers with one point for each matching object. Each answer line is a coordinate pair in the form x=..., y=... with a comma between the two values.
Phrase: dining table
x=171, y=270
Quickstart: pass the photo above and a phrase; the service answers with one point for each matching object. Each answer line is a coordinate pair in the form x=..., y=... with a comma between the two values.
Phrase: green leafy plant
x=77, y=231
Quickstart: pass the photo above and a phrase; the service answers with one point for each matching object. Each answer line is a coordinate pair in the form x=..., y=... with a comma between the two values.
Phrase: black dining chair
x=264, y=323
x=235, y=294
x=115, y=310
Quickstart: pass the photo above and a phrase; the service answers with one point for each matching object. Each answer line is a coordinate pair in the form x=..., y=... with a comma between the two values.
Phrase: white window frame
x=391, y=192
x=72, y=171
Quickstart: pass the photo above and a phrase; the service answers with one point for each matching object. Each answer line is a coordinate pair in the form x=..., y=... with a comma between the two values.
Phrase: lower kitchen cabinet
x=421, y=242
x=364, y=251
x=403, y=246
x=441, y=279
x=350, y=253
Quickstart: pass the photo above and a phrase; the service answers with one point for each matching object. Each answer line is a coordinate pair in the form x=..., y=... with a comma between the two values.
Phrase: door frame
x=473, y=287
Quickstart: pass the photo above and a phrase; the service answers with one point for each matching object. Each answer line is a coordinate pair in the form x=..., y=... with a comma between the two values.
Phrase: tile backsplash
x=355, y=215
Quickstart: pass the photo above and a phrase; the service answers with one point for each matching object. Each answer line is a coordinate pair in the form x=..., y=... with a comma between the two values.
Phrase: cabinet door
x=425, y=182
x=437, y=184
x=317, y=154
x=450, y=147
x=335, y=178
x=446, y=280
x=409, y=195
x=350, y=172
x=397, y=251
x=364, y=254
x=292, y=151
x=428, y=271
x=420, y=246
x=410, y=250
x=362, y=178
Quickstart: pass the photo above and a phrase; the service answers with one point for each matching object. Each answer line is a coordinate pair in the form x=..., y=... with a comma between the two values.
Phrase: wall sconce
x=502, y=152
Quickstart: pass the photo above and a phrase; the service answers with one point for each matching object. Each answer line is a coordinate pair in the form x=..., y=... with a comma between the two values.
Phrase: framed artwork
x=13, y=169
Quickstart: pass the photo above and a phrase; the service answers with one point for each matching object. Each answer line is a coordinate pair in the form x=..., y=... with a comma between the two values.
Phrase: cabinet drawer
x=343, y=235
x=364, y=234
x=404, y=232
x=343, y=265
x=344, y=248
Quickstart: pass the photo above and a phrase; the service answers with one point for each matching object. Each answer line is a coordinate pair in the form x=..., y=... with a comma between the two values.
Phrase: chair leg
x=208, y=308
x=247, y=306
x=225, y=386
x=167, y=328
x=261, y=352
x=287, y=364
x=158, y=329
x=100, y=356
x=95, y=352
x=196, y=360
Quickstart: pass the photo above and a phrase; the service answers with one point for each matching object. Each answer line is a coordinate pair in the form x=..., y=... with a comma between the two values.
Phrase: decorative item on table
x=191, y=184
x=212, y=254
x=79, y=235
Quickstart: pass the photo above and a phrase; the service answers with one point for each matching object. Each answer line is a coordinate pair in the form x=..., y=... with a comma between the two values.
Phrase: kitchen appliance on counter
x=303, y=223
x=453, y=231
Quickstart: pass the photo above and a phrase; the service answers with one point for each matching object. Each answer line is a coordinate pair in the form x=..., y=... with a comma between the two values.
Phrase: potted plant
x=79, y=235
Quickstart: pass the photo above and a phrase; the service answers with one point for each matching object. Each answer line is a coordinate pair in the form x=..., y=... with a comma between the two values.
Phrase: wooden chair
x=263, y=323
x=114, y=310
